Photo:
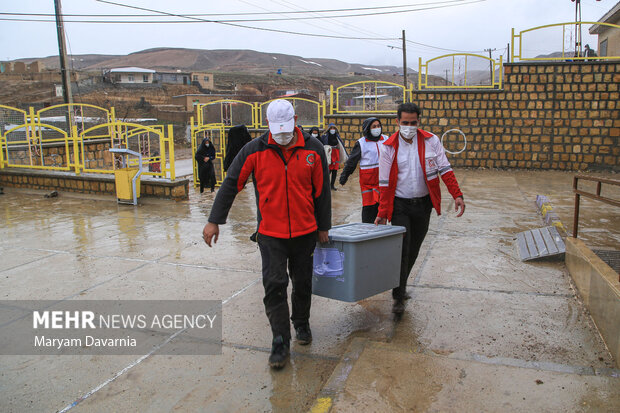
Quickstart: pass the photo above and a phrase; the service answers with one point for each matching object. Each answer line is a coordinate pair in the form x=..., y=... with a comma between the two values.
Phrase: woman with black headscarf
x=206, y=172
x=332, y=138
x=314, y=132
x=366, y=152
x=238, y=136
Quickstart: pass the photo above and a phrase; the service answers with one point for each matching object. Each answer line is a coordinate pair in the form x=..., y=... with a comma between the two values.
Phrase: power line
x=228, y=21
x=354, y=28
x=239, y=25
x=236, y=14
x=445, y=49
x=284, y=13
x=230, y=24
x=77, y=83
x=191, y=18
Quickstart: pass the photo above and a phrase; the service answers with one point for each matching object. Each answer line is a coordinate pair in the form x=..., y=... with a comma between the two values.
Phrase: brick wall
x=562, y=116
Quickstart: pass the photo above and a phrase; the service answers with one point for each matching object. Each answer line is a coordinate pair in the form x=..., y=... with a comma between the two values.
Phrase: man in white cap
x=289, y=171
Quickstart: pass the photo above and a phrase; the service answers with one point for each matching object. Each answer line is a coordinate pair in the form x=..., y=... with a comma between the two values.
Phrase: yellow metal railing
x=214, y=118
x=216, y=133
x=229, y=112
x=309, y=112
x=2, y=146
x=571, y=47
x=155, y=143
x=35, y=143
x=11, y=116
x=78, y=114
x=467, y=77
x=367, y=96
x=24, y=146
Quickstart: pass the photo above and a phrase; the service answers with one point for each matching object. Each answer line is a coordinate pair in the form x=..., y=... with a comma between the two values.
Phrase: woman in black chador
x=238, y=136
x=206, y=172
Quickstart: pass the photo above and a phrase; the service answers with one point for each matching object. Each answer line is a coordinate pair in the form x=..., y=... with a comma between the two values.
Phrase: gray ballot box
x=359, y=261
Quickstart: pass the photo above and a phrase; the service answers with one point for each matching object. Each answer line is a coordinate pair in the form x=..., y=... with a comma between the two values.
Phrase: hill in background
x=247, y=61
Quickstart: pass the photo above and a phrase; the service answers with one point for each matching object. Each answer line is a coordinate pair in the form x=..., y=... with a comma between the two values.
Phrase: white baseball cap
x=281, y=116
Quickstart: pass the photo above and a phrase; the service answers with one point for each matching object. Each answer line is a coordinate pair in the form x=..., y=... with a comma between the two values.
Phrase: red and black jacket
x=292, y=186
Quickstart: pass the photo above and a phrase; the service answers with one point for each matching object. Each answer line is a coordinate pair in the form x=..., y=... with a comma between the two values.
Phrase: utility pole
x=446, y=77
x=577, y=28
x=404, y=61
x=490, y=64
x=62, y=49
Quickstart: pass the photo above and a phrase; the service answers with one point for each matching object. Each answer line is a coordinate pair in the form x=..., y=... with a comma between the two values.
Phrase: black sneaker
x=304, y=335
x=398, y=307
x=279, y=353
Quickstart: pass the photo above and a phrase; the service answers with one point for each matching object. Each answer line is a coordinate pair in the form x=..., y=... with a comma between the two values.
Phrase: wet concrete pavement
x=479, y=333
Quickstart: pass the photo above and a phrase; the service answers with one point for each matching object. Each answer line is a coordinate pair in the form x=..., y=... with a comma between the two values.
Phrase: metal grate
x=540, y=243
x=610, y=257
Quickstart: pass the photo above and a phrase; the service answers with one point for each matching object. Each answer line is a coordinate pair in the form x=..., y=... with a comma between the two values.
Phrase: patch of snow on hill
x=372, y=68
x=310, y=62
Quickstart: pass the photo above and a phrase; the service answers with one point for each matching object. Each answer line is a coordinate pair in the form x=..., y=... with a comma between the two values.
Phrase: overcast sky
x=466, y=27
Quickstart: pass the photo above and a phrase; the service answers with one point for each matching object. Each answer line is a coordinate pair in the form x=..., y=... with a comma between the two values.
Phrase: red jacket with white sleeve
x=434, y=164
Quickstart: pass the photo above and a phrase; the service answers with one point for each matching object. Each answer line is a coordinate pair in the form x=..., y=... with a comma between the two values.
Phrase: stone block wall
x=563, y=116
x=96, y=154
x=100, y=184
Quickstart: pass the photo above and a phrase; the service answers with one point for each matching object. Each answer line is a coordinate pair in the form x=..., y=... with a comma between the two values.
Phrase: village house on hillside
x=20, y=67
x=129, y=75
x=175, y=77
x=203, y=79
x=141, y=75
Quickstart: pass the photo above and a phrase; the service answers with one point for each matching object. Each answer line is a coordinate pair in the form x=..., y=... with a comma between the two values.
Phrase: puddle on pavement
x=161, y=228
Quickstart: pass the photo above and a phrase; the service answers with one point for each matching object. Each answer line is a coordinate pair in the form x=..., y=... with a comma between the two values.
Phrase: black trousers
x=413, y=214
x=206, y=174
x=369, y=213
x=333, y=177
x=278, y=254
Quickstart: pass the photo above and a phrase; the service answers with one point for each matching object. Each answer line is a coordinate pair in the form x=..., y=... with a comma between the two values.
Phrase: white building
x=608, y=36
x=131, y=75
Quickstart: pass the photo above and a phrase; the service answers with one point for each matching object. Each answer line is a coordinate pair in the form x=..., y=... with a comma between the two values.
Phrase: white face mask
x=315, y=135
x=332, y=131
x=408, y=132
x=375, y=132
x=283, y=138
x=207, y=145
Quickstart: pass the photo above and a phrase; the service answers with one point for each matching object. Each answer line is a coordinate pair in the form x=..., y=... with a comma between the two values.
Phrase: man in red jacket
x=289, y=170
x=410, y=164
